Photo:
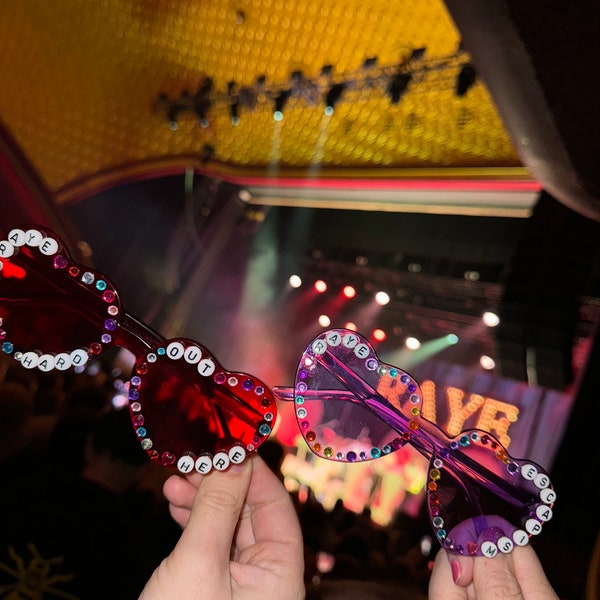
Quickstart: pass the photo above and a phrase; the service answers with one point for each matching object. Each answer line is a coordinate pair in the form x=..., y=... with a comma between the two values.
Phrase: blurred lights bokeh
x=412, y=343
x=320, y=286
x=487, y=362
x=382, y=298
x=324, y=321
x=295, y=281
x=491, y=319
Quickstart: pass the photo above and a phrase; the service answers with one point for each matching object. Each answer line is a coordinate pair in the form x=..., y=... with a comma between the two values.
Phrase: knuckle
x=218, y=498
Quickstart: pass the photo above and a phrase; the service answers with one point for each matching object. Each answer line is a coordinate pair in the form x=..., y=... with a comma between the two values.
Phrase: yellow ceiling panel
x=81, y=82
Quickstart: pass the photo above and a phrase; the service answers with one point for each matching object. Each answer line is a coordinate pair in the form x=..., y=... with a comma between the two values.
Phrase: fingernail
x=455, y=570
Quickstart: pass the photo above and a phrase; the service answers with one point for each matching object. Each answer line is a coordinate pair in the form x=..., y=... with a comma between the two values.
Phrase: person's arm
x=241, y=538
x=515, y=576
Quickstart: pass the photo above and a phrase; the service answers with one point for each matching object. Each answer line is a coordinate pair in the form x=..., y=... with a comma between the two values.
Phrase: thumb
x=216, y=511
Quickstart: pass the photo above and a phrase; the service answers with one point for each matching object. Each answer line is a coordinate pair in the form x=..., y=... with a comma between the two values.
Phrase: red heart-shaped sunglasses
x=186, y=409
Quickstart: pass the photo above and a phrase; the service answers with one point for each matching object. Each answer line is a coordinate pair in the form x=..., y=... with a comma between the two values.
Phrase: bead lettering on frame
x=203, y=464
x=548, y=495
x=16, y=237
x=505, y=545
x=6, y=249
x=48, y=246
x=350, y=340
x=319, y=347
x=33, y=237
x=333, y=338
x=192, y=354
x=237, y=454
x=361, y=350
x=220, y=461
x=533, y=526
x=489, y=549
x=206, y=367
x=46, y=362
x=520, y=537
x=175, y=350
x=30, y=360
x=185, y=464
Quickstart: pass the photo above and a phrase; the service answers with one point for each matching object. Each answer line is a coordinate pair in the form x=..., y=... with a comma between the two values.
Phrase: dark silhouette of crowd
x=82, y=513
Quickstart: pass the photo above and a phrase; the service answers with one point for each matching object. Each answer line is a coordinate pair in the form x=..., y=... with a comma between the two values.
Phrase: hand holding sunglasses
x=352, y=407
x=186, y=409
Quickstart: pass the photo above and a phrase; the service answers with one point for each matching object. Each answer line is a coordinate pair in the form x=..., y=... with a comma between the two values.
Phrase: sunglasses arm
x=423, y=435
x=136, y=336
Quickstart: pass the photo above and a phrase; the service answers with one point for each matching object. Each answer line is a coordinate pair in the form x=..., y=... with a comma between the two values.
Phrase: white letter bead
x=48, y=246
x=350, y=340
x=542, y=480
x=175, y=350
x=206, y=367
x=548, y=495
x=33, y=237
x=528, y=471
x=62, y=361
x=16, y=237
x=79, y=357
x=203, y=464
x=185, y=464
x=220, y=461
x=543, y=512
x=319, y=347
x=237, y=454
x=505, y=544
x=46, y=362
x=333, y=338
x=6, y=249
x=520, y=537
x=29, y=360
x=362, y=351
x=489, y=549
x=533, y=526
x=192, y=354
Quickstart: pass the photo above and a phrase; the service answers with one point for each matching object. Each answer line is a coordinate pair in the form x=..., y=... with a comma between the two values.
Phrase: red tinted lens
x=187, y=410
x=50, y=305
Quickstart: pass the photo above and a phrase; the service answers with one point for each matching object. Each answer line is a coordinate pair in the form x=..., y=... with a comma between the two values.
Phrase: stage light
x=280, y=103
x=452, y=339
x=487, y=362
x=324, y=321
x=351, y=326
x=417, y=53
x=412, y=343
x=490, y=318
x=378, y=335
x=320, y=286
x=295, y=281
x=244, y=195
x=382, y=298
x=398, y=86
x=326, y=70
x=333, y=96
x=172, y=117
x=465, y=80
x=349, y=292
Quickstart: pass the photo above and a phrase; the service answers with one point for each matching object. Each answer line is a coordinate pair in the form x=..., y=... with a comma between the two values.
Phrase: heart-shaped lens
x=54, y=313
x=332, y=398
x=187, y=410
x=464, y=509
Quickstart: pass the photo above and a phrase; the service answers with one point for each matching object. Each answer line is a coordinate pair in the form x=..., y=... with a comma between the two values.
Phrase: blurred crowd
x=82, y=513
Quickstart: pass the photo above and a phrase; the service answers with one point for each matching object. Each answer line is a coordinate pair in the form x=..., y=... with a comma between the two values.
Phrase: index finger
x=215, y=512
x=269, y=509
